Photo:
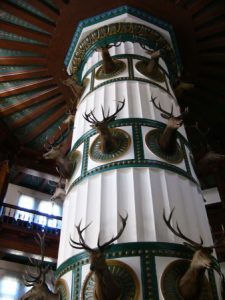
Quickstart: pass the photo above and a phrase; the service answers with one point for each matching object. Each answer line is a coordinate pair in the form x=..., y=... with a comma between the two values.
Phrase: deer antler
x=90, y=117
x=178, y=232
x=81, y=244
x=165, y=114
x=106, y=244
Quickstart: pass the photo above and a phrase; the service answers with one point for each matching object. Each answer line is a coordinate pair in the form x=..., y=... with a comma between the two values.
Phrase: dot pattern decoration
x=123, y=275
x=123, y=139
x=156, y=75
x=120, y=66
x=152, y=143
x=170, y=279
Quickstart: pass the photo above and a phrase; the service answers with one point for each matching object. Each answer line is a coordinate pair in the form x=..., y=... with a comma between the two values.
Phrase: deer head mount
x=76, y=89
x=59, y=192
x=190, y=284
x=167, y=140
x=37, y=280
x=151, y=67
x=108, y=142
x=106, y=288
x=56, y=151
x=110, y=67
x=71, y=106
x=209, y=159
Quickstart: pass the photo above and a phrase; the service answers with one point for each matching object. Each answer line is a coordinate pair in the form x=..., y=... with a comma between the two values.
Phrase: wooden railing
x=29, y=219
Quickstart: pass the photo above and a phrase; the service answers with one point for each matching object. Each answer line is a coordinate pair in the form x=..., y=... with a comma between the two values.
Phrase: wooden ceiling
x=35, y=37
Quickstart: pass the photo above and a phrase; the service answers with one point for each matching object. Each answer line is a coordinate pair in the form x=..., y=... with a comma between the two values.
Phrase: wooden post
x=4, y=179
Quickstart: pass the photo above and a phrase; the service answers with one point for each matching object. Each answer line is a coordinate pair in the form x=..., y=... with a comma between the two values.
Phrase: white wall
x=14, y=192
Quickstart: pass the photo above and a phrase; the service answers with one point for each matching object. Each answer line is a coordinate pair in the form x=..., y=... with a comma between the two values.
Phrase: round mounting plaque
x=151, y=140
x=120, y=66
x=123, y=139
x=123, y=275
x=141, y=66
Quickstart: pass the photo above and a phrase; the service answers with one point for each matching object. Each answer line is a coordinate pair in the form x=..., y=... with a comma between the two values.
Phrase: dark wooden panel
x=25, y=32
x=14, y=45
x=27, y=87
x=209, y=15
x=26, y=16
x=198, y=5
x=211, y=30
x=41, y=96
x=21, y=61
x=212, y=43
x=37, y=112
x=46, y=10
x=24, y=74
x=45, y=124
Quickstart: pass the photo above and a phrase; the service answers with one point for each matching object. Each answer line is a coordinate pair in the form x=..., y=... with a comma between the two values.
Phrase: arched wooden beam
x=46, y=10
x=22, y=61
x=24, y=74
x=21, y=46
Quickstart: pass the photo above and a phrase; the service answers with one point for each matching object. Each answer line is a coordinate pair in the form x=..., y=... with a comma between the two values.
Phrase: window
x=49, y=208
x=9, y=288
x=27, y=202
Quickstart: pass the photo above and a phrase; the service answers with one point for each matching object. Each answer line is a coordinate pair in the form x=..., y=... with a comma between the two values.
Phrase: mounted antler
x=109, y=65
x=56, y=150
x=167, y=140
x=108, y=142
x=39, y=289
x=190, y=284
x=106, y=288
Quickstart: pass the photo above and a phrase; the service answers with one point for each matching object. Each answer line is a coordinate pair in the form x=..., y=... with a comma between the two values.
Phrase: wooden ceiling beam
x=21, y=46
x=212, y=57
x=211, y=44
x=25, y=32
x=37, y=173
x=26, y=16
x=198, y=5
x=24, y=74
x=211, y=30
x=213, y=71
x=45, y=125
x=209, y=15
x=40, y=96
x=46, y=10
x=37, y=112
x=22, y=60
x=23, y=88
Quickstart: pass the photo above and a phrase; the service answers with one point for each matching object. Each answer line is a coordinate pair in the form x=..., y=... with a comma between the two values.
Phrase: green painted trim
x=126, y=250
x=116, y=12
x=139, y=161
x=154, y=289
x=138, y=143
x=131, y=76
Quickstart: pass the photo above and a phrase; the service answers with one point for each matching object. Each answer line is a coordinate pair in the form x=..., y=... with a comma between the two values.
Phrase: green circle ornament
x=152, y=143
x=170, y=279
x=123, y=274
x=123, y=139
x=120, y=66
x=157, y=75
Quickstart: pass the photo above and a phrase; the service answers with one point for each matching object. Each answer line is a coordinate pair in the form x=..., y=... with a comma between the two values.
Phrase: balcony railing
x=29, y=219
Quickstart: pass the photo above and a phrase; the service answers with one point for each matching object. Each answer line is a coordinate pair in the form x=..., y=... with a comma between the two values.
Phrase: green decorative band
x=132, y=163
x=127, y=250
x=122, y=32
x=130, y=77
x=114, y=13
x=146, y=251
x=139, y=161
x=129, y=122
